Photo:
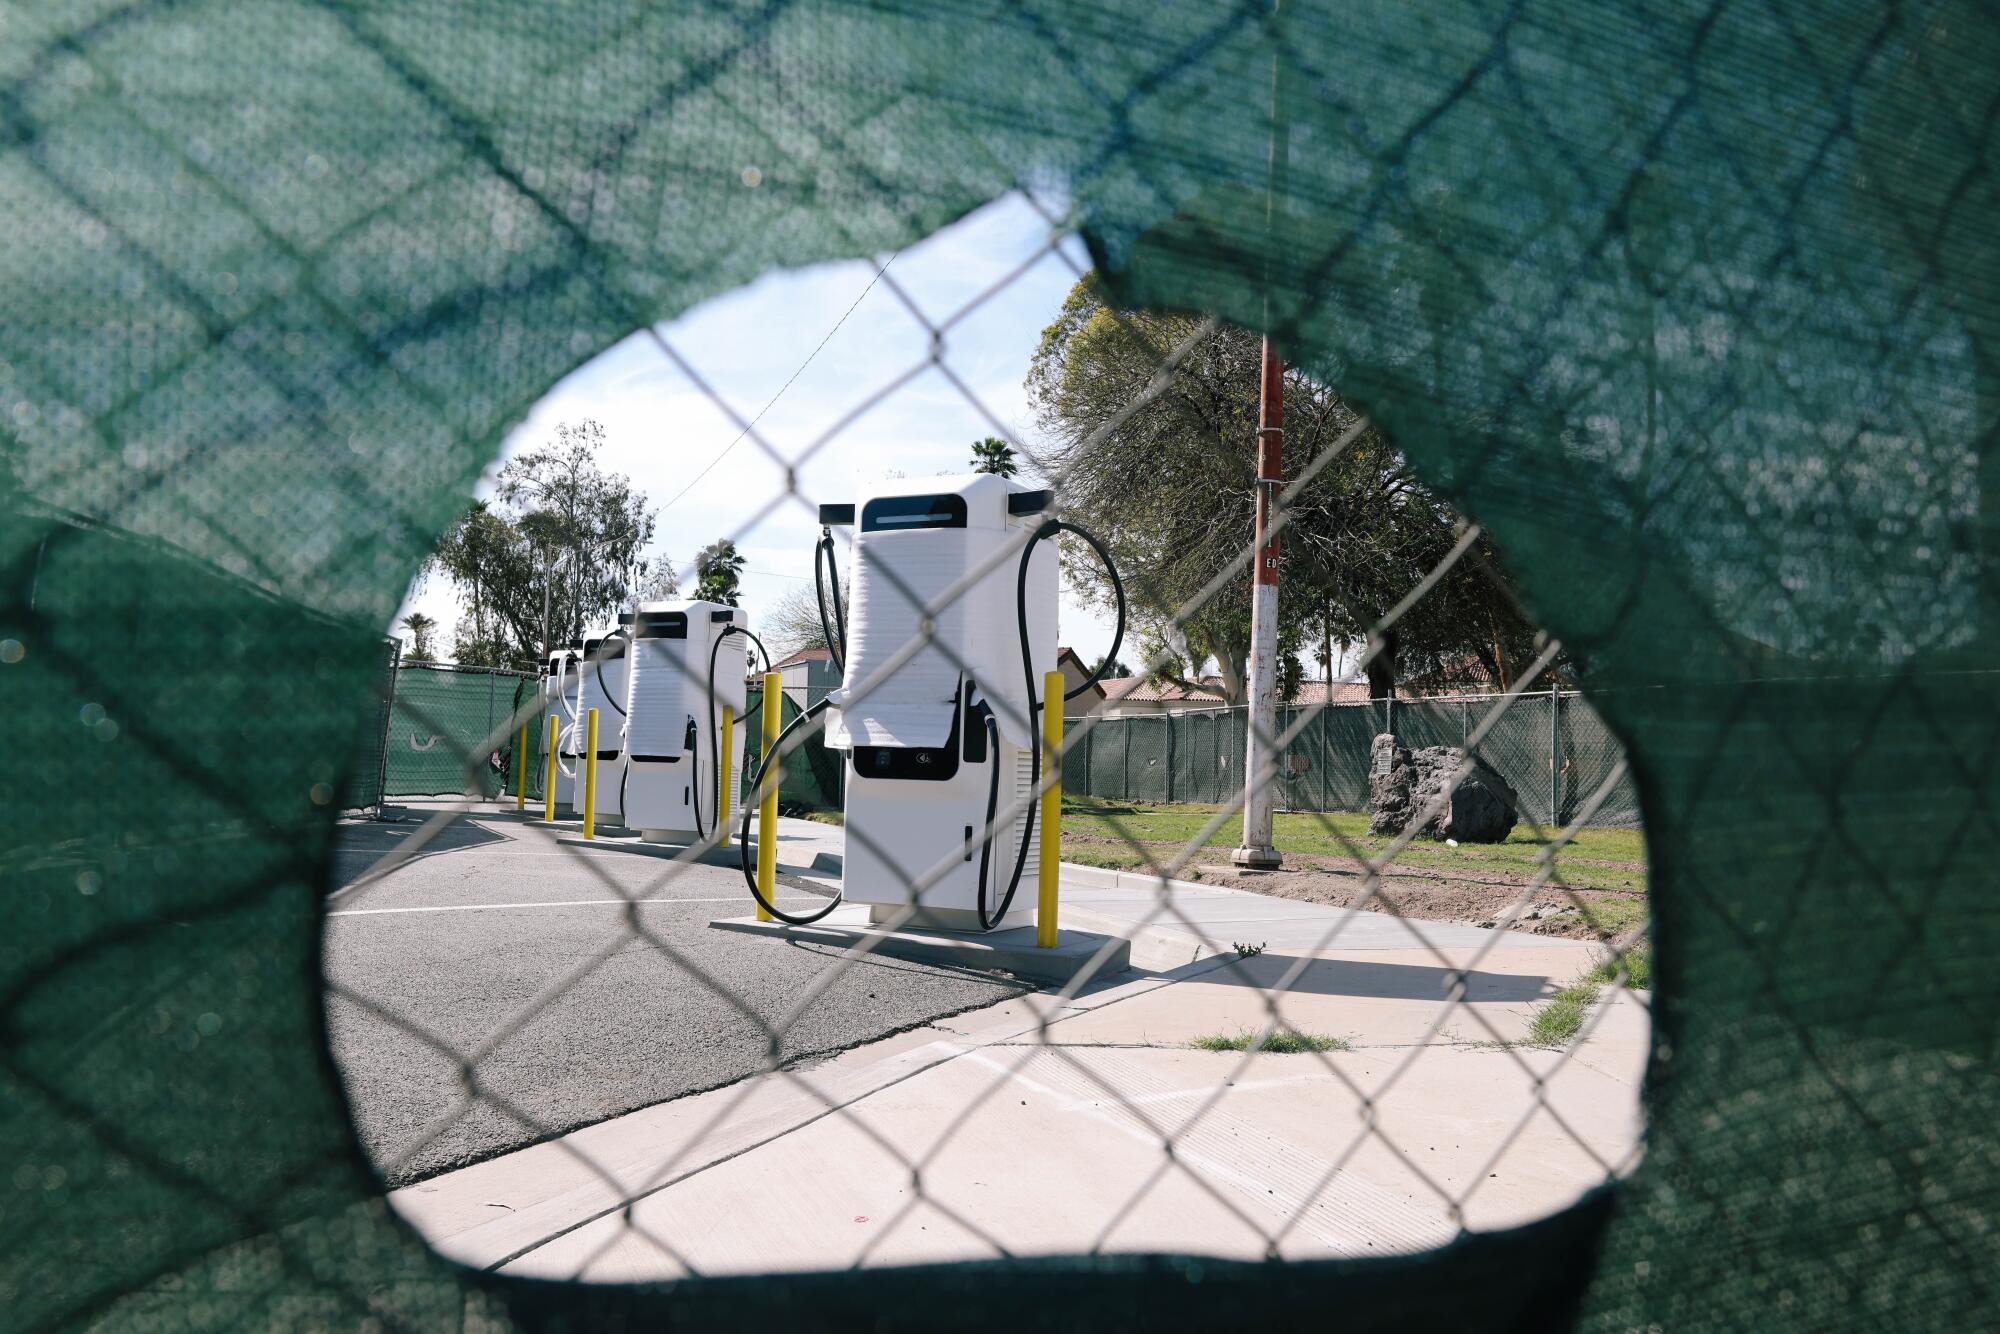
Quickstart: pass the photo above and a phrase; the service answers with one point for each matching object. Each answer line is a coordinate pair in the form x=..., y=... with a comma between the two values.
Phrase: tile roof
x=803, y=655
x=1136, y=689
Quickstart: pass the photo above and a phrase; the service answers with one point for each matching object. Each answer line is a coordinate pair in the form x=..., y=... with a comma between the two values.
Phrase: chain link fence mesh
x=1692, y=309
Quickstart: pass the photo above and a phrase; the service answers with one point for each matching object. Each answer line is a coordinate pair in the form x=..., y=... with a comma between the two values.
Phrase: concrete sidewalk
x=1036, y=1126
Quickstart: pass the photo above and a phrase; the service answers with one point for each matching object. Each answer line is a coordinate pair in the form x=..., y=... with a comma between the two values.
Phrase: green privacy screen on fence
x=442, y=714
x=813, y=773
x=1553, y=750
x=1692, y=306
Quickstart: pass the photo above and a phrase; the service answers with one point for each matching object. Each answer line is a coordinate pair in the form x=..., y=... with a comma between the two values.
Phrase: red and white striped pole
x=1260, y=763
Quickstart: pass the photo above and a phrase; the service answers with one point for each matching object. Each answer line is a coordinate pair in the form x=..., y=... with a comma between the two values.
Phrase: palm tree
x=420, y=627
x=994, y=456
x=718, y=569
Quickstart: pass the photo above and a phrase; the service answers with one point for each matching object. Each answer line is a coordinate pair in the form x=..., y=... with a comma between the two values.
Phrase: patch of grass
x=1559, y=1020
x=1561, y=1017
x=1638, y=969
x=1120, y=856
x=1597, y=858
x=1245, y=950
x=1615, y=916
x=1284, y=1042
x=1111, y=858
x=825, y=817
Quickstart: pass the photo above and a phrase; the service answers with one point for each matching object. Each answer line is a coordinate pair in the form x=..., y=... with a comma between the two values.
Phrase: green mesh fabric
x=1197, y=755
x=440, y=720
x=1692, y=304
x=810, y=776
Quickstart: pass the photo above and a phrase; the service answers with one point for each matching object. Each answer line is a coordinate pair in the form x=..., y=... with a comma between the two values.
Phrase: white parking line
x=743, y=899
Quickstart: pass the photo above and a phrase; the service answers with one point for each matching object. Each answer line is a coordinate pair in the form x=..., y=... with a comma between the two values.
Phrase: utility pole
x=1260, y=771
x=1260, y=765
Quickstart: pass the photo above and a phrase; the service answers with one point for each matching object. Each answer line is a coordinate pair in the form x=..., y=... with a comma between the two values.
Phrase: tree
x=657, y=580
x=718, y=569
x=421, y=628
x=792, y=623
x=555, y=550
x=995, y=456
x=471, y=649
x=1169, y=486
x=1113, y=671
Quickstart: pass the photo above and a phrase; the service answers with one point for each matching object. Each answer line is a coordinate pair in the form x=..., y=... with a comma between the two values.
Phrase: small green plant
x=1248, y=951
x=1558, y=1022
x=1284, y=1042
x=1638, y=963
x=1560, y=1019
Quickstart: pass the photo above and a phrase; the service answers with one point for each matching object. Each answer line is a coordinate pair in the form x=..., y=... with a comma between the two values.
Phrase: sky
x=661, y=430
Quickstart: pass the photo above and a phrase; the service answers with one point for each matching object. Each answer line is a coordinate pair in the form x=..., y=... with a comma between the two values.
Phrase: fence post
x=1173, y=752
x=1326, y=749
x=1555, y=756
x=1125, y=766
x=722, y=783
x=767, y=809
x=1051, y=868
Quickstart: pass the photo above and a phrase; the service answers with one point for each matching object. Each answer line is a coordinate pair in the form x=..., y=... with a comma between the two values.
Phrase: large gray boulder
x=1390, y=785
x=1403, y=784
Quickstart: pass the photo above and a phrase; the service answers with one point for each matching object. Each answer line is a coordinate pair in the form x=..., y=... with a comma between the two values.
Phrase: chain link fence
x=368, y=777
x=442, y=718
x=813, y=776
x=1552, y=749
x=1691, y=307
x=493, y=1104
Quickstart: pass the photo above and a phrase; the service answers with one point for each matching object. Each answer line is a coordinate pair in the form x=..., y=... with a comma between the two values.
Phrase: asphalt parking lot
x=496, y=941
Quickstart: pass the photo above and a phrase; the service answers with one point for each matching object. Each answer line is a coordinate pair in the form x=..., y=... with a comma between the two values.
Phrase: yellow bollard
x=521, y=770
x=549, y=780
x=767, y=810
x=1052, y=739
x=590, y=778
x=722, y=783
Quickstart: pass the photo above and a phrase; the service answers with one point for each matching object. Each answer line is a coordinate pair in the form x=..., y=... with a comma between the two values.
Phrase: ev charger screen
x=886, y=512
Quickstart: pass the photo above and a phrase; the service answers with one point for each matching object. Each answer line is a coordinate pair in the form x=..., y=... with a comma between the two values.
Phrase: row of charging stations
x=947, y=665
x=659, y=683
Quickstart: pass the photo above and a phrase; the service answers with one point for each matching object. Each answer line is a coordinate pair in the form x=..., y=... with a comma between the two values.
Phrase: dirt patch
x=1422, y=893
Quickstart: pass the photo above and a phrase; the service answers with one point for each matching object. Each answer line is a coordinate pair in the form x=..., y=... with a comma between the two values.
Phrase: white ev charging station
x=924, y=760
x=559, y=691
x=604, y=688
x=941, y=710
x=686, y=662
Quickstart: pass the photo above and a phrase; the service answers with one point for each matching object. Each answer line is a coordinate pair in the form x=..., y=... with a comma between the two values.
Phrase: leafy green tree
x=995, y=456
x=469, y=649
x=1164, y=472
x=421, y=628
x=556, y=551
x=718, y=570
